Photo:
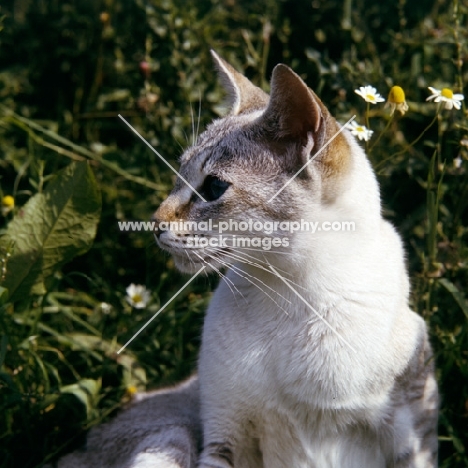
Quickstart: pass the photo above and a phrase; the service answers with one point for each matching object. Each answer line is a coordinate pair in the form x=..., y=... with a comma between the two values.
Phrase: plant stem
x=390, y=120
x=433, y=121
x=367, y=123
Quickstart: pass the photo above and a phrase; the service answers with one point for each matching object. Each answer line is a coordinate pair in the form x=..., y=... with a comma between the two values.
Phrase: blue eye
x=213, y=187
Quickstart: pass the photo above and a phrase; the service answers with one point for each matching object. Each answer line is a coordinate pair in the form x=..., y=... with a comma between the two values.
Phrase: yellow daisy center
x=371, y=97
x=447, y=93
x=137, y=298
x=396, y=95
x=360, y=129
x=8, y=200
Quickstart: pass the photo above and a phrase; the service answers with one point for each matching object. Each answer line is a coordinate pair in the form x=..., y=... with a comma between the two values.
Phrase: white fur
x=300, y=388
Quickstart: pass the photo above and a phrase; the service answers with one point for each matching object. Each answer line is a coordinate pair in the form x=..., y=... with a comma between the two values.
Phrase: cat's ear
x=242, y=94
x=296, y=114
x=294, y=110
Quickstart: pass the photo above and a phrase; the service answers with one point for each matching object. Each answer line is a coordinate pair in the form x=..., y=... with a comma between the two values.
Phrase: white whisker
x=251, y=276
x=193, y=125
x=186, y=137
x=264, y=251
x=199, y=112
x=223, y=277
x=266, y=262
x=234, y=270
x=250, y=262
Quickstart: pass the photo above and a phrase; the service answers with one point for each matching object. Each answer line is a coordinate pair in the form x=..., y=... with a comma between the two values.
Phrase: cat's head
x=247, y=167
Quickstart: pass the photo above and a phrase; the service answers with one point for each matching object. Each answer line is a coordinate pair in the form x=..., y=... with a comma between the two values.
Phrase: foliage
x=70, y=67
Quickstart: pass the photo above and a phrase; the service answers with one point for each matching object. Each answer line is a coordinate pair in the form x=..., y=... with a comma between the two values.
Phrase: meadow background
x=67, y=68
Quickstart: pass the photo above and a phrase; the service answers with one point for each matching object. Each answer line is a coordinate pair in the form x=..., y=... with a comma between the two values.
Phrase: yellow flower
x=446, y=95
x=131, y=390
x=397, y=100
x=8, y=203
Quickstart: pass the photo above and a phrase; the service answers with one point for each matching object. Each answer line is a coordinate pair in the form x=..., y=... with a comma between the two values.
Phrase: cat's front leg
x=221, y=450
x=418, y=446
x=223, y=454
x=217, y=455
x=415, y=440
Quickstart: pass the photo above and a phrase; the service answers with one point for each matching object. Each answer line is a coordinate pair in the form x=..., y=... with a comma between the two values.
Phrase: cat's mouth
x=192, y=251
x=189, y=258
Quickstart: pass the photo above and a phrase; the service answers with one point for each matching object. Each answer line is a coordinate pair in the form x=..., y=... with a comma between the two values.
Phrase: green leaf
x=87, y=391
x=456, y=294
x=51, y=229
x=3, y=295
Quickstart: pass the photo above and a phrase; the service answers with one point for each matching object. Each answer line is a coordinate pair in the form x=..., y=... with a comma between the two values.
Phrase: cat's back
x=158, y=429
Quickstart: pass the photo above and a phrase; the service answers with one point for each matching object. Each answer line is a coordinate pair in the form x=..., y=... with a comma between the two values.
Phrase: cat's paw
x=156, y=459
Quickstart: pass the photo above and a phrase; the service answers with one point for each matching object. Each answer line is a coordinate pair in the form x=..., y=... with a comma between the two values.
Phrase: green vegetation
x=73, y=169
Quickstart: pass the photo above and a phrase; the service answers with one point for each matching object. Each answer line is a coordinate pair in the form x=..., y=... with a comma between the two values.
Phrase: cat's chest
x=267, y=347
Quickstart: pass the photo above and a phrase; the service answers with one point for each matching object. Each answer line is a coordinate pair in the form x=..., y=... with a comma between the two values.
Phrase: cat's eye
x=214, y=187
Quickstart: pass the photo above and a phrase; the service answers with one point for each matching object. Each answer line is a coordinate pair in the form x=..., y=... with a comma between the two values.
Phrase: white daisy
x=369, y=94
x=137, y=296
x=446, y=95
x=360, y=131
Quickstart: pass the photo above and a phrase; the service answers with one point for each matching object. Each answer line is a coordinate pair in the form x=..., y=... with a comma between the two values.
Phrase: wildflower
x=446, y=95
x=8, y=203
x=105, y=308
x=104, y=17
x=457, y=162
x=146, y=102
x=97, y=147
x=369, y=94
x=145, y=68
x=397, y=100
x=137, y=296
x=360, y=131
x=131, y=390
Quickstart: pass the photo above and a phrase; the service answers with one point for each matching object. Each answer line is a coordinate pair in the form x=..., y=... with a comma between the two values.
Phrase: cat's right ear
x=243, y=96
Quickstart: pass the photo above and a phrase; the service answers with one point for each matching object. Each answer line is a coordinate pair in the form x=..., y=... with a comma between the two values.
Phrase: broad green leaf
x=52, y=228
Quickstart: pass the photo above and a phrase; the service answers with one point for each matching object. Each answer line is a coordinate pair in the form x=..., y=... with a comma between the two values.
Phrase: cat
x=310, y=355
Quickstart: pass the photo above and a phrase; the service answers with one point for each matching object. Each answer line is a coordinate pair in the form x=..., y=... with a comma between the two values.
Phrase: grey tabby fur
x=158, y=429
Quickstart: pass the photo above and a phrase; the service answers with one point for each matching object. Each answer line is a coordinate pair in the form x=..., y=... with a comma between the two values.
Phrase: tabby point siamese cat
x=310, y=355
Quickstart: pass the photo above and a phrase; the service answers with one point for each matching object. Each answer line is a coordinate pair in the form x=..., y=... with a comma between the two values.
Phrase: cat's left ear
x=243, y=95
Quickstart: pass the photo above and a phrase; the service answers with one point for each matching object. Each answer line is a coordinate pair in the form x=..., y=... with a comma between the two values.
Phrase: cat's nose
x=167, y=212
